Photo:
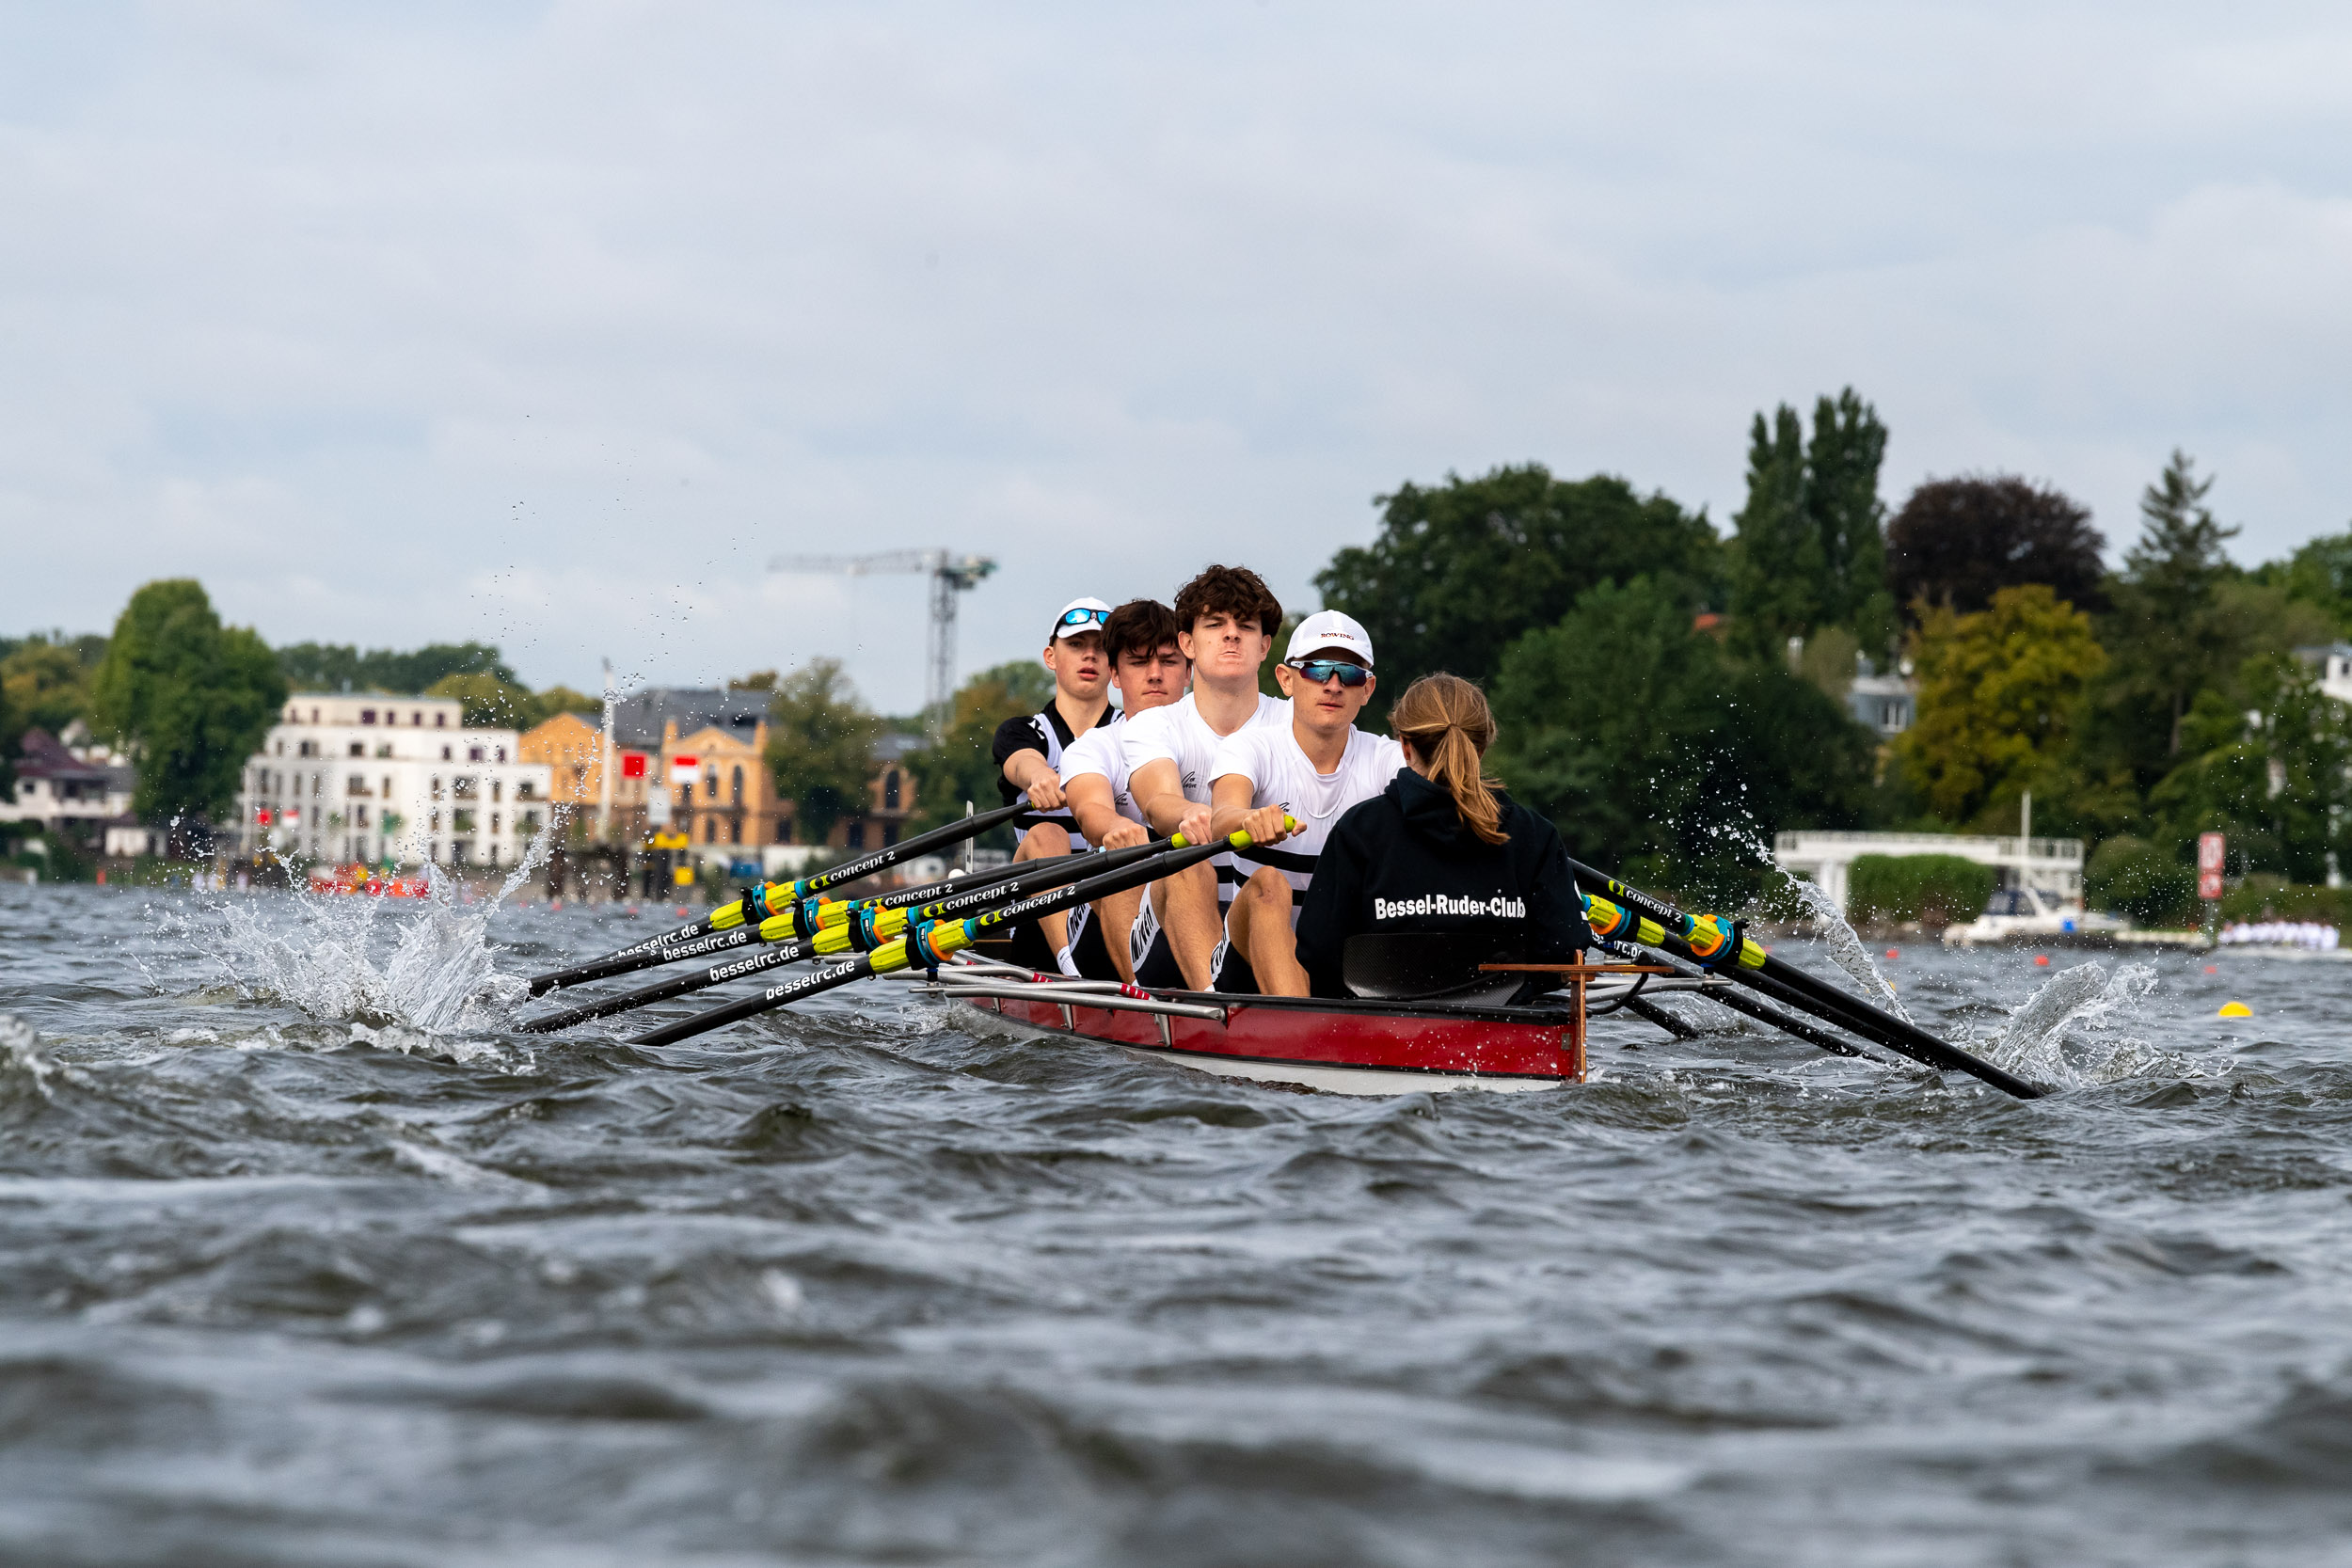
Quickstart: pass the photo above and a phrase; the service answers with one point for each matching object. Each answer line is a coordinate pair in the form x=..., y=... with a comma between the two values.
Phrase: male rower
x=1225, y=619
x=1150, y=672
x=1028, y=750
x=1311, y=770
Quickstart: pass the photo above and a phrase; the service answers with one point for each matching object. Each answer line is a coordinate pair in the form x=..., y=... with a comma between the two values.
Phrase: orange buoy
x=2043, y=959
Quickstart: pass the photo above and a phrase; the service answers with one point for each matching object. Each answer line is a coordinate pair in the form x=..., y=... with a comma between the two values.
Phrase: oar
x=766, y=899
x=864, y=925
x=802, y=919
x=1618, y=912
x=930, y=942
x=1748, y=1006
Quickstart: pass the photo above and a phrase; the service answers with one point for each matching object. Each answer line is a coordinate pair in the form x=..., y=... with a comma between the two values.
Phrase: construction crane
x=951, y=575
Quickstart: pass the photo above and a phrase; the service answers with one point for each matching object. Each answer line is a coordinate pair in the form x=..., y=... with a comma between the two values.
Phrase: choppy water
x=304, y=1259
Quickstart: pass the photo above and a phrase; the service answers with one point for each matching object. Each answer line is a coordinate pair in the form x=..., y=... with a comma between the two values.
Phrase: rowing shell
x=1352, y=1047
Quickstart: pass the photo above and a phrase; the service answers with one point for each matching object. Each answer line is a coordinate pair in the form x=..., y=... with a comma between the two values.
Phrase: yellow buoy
x=2234, y=1010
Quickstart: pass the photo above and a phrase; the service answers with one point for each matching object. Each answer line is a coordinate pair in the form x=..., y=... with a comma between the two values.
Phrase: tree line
x=1673, y=697
x=189, y=698
x=1670, y=694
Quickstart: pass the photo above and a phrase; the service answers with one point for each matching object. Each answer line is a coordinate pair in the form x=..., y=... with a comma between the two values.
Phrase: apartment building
x=348, y=777
x=572, y=747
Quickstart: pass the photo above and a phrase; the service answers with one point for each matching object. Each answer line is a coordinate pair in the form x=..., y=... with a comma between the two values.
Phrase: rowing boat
x=1358, y=1046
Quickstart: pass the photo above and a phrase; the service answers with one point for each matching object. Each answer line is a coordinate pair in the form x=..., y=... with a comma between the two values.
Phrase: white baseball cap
x=1330, y=631
x=1080, y=616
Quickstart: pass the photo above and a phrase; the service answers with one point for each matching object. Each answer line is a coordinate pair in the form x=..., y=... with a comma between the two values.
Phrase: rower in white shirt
x=1312, y=770
x=1225, y=619
x=1149, y=671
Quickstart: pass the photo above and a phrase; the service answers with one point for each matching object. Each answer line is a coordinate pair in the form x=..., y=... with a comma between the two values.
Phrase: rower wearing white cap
x=1028, y=750
x=1312, y=770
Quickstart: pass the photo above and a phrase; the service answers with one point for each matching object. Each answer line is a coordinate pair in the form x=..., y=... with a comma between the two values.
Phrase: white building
x=2332, y=663
x=2051, y=866
x=1886, y=703
x=348, y=777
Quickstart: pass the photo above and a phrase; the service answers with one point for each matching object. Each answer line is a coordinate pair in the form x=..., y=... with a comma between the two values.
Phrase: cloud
x=550, y=324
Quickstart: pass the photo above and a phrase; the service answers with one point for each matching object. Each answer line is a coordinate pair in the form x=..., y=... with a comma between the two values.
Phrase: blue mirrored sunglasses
x=1080, y=616
x=1320, y=670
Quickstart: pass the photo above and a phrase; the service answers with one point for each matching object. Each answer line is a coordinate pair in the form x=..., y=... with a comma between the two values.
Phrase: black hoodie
x=1404, y=861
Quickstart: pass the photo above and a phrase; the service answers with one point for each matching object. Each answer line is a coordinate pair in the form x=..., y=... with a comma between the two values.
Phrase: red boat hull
x=1359, y=1048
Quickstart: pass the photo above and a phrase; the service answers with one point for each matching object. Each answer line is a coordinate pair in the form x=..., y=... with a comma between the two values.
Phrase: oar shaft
x=932, y=941
x=799, y=987
x=766, y=958
x=734, y=916
x=1024, y=878
x=1755, y=968
x=921, y=844
x=1747, y=1006
x=779, y=929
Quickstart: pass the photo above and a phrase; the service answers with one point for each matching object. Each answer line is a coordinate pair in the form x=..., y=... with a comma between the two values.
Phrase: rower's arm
x=1230, y=811
x=1028, y=771
x=1159, y=790
x=1099, y=822
x=1229, y=802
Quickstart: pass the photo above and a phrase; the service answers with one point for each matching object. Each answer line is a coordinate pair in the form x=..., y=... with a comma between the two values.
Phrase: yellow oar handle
x=1237, y=839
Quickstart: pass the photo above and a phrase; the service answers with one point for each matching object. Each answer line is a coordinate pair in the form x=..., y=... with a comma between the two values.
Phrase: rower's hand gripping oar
x=762, y=902
x=928, y=943
x=1618, y=912
x=853, y=927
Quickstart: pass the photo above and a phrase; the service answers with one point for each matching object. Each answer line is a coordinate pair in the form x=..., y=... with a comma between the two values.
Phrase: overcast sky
x=549, y=324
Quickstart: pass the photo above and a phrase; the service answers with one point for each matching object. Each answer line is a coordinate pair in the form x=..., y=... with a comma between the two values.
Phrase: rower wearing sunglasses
x=1312, y=770
x=1028, y=750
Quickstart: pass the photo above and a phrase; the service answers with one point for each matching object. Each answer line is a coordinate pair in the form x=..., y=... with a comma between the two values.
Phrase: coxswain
x=1440, y=857
x=1148, y=671
x=1311, y=771
x=1028, y=750
x=1226, y=620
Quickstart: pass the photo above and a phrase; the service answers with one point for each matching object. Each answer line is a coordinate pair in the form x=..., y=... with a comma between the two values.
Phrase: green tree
x=338, y=667
x=2319, y=574
x=1680, y=765
x=490, y=701
x=1997, y=693
x=563, y=699
x=1461, y=569
x=2267, y=763
x=2131, y=876
x=1935, y=889
x=820, y=746
x=1809, y=547
x=48, y=680
x=2169, y=635
x=191, y=699
x=959, y=765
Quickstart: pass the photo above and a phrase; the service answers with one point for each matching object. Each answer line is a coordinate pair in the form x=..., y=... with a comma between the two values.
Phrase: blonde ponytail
x=1446, y=720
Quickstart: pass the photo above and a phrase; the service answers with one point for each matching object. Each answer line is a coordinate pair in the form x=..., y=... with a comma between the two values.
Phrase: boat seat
x=1423, y=966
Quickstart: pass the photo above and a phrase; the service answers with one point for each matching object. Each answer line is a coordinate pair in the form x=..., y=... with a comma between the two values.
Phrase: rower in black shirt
x=1027, y=751
x=1440, y=862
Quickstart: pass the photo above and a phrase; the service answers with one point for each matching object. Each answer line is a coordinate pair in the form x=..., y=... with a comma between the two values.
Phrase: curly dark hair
x=1234, y=591
x=1139, y=629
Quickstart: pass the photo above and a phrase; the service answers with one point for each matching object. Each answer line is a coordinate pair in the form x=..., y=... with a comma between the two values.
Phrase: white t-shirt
x=1099, y=750
x=1280, y=774
x=1178, y=734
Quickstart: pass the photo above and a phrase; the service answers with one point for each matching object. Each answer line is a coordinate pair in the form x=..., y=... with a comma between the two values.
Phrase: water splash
x=440, y=977
x=20, y=1051
x=1844, y=944
x=2065, y=1033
